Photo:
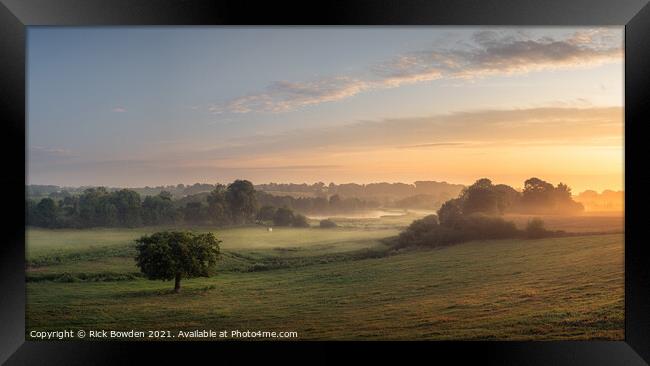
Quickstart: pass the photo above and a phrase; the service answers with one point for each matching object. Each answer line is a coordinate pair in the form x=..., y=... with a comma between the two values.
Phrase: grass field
x=601, y=223
x=337, y=284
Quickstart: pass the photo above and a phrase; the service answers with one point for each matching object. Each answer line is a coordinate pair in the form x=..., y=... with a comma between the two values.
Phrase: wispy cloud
x=119, y=110
x=282, y=96
x=487, y=53
x=564, y=125
x=504, y=52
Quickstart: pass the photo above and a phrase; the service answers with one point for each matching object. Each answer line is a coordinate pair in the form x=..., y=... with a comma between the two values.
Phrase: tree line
x=98, y=207
x=318, y=205
x=383, y=193
x=235, y=204
x=240, y=203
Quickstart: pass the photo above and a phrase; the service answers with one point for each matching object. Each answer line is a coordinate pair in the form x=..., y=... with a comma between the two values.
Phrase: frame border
x=16, y=15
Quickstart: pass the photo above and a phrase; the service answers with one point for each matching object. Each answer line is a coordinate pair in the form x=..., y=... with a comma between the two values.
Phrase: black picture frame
x=15, y=15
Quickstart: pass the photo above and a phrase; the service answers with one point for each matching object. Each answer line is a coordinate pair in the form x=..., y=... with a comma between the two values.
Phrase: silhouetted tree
x=480, y=197
x=300, y=221
x=127, y=204
x=45, y=213
x=266, y=213
x=450, y=213
x=218, y=209
x=283, y=217
x=240, y=196
x=195, y=213
x=537, y=193
x=159, y=209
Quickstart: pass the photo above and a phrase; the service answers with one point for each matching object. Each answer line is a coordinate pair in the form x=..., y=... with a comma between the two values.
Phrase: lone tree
x=177, y=254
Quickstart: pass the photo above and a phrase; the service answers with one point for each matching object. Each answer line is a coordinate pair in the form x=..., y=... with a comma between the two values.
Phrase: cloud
x=465, y=129
x=503, y=53
x=291, y=150
x=282, y=96
x=487, y=53
x=119, y=110
x=350, y=151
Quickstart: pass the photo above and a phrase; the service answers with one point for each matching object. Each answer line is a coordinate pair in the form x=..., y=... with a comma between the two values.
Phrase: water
x=372, y=214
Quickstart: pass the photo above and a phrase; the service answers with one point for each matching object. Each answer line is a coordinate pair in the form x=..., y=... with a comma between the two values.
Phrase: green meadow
x=341, y=283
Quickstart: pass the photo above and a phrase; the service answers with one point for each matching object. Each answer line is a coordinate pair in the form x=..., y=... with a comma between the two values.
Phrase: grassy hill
x=339, y=284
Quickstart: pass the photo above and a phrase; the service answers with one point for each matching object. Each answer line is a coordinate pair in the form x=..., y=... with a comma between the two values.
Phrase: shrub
x=535, y=229
x=300, y=221
x=479, y=226
x=327, y=223
x=428, y=232
x=283, y=217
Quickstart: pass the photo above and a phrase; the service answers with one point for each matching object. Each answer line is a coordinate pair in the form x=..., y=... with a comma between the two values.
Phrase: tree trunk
x=177, y=283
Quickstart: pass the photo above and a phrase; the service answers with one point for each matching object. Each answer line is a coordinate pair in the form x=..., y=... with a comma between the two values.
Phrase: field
x=340, y=284
x=588, y=222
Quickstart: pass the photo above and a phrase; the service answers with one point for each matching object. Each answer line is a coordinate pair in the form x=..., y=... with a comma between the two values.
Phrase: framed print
x=391, y=178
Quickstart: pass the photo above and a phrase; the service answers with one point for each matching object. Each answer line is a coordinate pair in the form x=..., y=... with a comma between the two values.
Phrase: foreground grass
x=108, y=254
x=588, y=222
x=47, y=247
x=560, y=288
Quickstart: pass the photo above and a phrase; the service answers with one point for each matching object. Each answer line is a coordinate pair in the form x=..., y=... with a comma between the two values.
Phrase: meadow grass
x=589, y=222
x=100, y=252
x=559, y=288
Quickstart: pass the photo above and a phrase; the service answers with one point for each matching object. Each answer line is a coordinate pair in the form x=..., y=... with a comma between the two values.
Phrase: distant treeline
x=306, y=205
x=421, y=194
x=317, y=205
x=240, y=203
x=382, y=192
x=37, y=191
x=608, y=200
x=475, y=214
x=99, y=207
x=235, y=204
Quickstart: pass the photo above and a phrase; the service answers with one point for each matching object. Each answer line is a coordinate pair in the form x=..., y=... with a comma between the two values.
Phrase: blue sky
x=125, y=106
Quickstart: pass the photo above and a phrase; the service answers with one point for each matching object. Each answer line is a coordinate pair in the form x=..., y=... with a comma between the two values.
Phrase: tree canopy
x=538, y=196
x=177, y=254
x=475, y=213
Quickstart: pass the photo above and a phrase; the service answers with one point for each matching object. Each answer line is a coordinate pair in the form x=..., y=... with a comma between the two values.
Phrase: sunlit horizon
x=135, y=107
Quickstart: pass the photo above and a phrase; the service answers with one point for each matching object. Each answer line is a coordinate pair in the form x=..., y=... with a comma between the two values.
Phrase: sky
x=148, y=106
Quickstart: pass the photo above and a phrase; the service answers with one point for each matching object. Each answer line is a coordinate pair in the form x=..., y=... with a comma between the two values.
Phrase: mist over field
x=342, y=261
x=379, y=183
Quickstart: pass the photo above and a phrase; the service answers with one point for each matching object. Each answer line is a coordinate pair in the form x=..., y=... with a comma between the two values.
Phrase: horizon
x=517, y=188
x=135, y=107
